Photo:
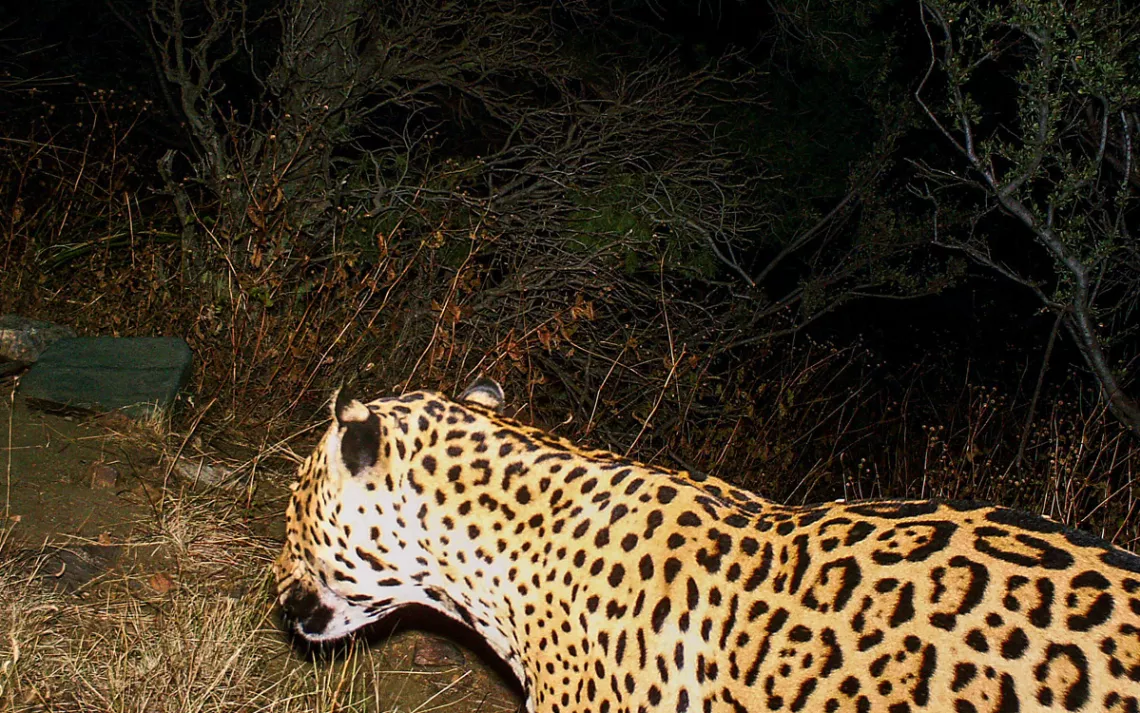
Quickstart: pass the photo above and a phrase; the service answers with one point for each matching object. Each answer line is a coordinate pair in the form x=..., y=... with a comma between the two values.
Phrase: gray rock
x=140, y=375
x=197, y=471
x=66, y=569
x=23, y=339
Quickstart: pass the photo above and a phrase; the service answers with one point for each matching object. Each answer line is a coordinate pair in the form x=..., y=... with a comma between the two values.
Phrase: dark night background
x=727, y=236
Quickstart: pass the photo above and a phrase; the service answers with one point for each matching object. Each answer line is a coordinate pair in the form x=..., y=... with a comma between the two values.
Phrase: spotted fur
x=612, y=586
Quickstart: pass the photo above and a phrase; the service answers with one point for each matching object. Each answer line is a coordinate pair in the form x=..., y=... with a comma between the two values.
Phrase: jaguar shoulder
x=609, y=586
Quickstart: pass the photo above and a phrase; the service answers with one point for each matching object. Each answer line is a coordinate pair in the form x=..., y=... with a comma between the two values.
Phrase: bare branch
x=1066, y=222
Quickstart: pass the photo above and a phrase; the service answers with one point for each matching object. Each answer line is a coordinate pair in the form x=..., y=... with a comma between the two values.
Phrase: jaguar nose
x=303, y=612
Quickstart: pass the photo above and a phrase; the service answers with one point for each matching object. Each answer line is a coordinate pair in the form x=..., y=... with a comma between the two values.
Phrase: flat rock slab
x=67, y=569
x=138, y=375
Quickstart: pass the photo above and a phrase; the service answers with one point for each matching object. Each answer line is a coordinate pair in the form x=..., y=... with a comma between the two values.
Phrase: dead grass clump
x=200, y=645
x=1075, y=464
x=204, y=639
x=28, y=636
x=813, y=422
x=202, y=532
x=194, y=652
x=129, y=647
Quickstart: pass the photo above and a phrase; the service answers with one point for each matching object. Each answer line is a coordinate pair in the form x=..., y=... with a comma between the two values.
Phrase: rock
x=161, y=582
x=8, y=368
x=68, y=569
x=24, y=340
x=434, y=651
x=139, y=375
x=103, y=476
x=197, y=471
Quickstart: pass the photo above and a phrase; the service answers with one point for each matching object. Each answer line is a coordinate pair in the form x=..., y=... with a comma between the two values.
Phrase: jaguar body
x=611, y=586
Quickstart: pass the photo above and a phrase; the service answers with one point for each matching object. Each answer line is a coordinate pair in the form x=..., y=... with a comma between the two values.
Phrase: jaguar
x=611, y=586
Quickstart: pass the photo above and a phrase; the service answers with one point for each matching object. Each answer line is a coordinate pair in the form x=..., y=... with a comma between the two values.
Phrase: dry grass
x=814, y=422
x=1078, y=466
x=136, y=643
x=203, y=638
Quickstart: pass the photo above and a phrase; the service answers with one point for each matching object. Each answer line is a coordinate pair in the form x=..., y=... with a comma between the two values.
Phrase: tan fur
x=608, y=585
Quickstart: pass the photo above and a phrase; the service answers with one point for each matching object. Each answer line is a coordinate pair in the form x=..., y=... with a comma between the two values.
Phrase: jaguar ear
x=485, y=392
x=360, y=432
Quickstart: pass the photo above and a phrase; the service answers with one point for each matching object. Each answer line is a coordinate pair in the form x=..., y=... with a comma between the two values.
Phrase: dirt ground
x=113, y=568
